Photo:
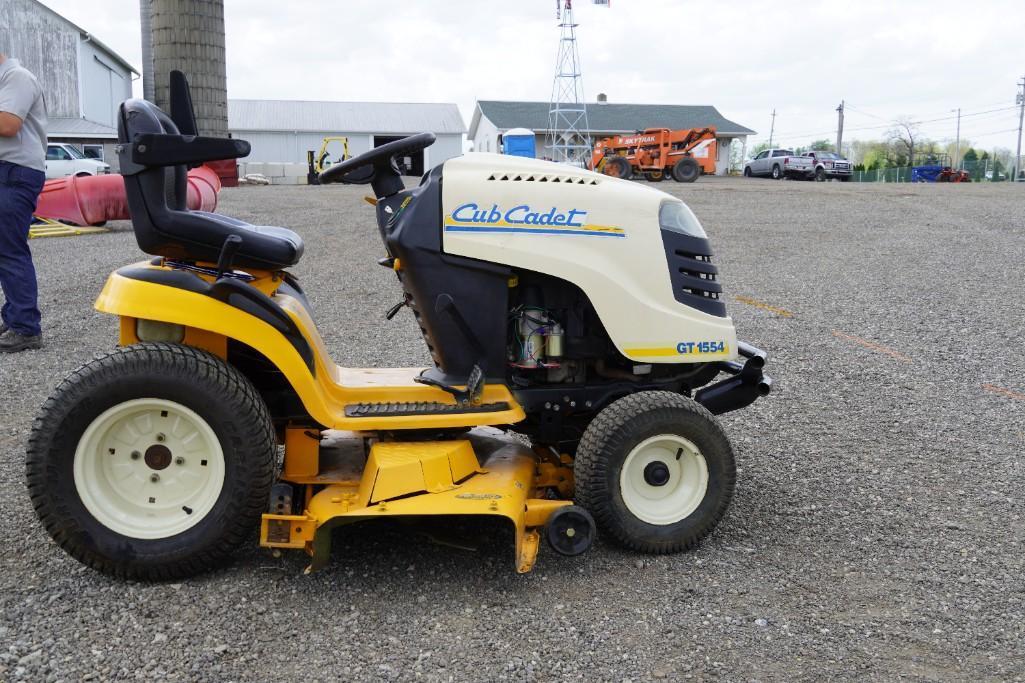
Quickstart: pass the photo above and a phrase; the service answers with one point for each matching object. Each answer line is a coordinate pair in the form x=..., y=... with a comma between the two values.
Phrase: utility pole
x=772, y=128
x=1021, y=117
x=957, y=145
x=839, y=129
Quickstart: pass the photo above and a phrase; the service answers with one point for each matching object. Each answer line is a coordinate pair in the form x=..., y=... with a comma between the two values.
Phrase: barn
x=282, y=131
x=84, y=80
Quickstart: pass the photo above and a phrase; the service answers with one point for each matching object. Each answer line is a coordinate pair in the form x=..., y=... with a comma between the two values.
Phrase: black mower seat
x=154, y=162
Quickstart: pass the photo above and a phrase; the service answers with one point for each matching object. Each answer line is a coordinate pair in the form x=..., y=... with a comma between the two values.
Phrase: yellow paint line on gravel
x=764, y=306
x=1010, y=393
x=872, y=346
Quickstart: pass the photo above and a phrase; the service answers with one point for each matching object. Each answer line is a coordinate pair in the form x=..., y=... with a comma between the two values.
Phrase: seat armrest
x=161, y=149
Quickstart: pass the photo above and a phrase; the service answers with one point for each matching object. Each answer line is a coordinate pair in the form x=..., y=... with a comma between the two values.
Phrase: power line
x=851, y=107
x=995, y=132
x=939, y=112
x=894, y=122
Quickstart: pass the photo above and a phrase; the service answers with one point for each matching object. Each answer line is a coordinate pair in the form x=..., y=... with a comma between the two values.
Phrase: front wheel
x=747, y=171
x=152, y=462
x=656, y=471
x=686, y=170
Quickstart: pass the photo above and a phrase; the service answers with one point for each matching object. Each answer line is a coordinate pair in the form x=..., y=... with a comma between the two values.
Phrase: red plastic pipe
x=94, y=200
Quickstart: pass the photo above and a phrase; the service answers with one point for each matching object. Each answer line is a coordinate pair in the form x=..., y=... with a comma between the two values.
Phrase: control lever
x=472, y=393
x=394, y=310
x=227, y=257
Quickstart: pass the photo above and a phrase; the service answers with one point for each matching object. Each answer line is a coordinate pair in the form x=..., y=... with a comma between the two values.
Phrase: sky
x=886, y=59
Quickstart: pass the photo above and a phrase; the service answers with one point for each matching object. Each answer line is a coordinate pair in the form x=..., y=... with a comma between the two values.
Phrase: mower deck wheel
x=152, y=462
x=656, y=470
x=570, y=530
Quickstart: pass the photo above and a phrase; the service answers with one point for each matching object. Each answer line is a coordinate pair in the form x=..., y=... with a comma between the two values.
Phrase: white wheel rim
x=121, y=475
x=683, y=490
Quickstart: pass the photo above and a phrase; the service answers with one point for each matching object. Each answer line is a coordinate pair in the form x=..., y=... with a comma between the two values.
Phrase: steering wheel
x=378, y=166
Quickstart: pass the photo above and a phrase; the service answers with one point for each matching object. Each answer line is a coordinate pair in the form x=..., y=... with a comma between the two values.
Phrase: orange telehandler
x=657, y=152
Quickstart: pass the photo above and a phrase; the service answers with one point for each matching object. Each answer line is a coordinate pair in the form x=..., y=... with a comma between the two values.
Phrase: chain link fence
x=979, y=171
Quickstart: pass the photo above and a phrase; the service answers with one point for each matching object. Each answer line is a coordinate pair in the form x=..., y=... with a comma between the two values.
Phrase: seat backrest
x=155, y=151
x=154, y=192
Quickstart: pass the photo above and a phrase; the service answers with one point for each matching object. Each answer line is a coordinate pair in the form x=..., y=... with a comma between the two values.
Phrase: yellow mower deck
x=416, y=479
x=465, y=476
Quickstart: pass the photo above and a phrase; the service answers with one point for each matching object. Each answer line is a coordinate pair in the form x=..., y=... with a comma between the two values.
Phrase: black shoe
x=12, y=342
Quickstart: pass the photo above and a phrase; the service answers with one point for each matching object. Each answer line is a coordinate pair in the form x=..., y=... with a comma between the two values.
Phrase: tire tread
x=606, y=432
x=204, y=368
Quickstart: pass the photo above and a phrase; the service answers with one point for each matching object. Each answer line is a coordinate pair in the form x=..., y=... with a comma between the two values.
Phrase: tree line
x=904, y=145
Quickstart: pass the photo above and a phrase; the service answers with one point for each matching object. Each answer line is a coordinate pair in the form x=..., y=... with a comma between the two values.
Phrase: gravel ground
x=876, y=533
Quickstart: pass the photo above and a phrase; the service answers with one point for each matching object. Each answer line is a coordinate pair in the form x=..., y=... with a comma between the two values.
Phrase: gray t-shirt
x=21, y=95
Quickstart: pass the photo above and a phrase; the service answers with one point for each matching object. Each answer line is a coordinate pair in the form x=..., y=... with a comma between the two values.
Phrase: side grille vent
x=693, y=276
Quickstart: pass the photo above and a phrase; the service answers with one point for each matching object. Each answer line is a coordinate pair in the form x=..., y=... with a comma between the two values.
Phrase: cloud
x=919, y=58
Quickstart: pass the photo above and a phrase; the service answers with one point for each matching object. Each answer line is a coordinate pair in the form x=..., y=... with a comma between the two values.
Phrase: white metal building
x=282, y=131
x=493, y=118
x=84, y=80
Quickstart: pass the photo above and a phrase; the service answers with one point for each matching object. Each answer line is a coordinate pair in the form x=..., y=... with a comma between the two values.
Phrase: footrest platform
x=421, y=408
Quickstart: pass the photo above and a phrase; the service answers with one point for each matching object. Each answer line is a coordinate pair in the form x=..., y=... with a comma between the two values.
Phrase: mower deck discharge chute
x=577, y=310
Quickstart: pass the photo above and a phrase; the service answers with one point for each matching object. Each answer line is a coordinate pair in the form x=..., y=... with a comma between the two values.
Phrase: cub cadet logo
x=523, y=219
x=518, y=215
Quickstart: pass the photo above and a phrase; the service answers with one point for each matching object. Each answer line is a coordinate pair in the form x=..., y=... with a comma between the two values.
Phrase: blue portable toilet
x=519, y=142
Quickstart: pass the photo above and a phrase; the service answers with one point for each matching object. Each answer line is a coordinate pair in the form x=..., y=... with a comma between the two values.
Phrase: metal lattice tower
x=568, y=139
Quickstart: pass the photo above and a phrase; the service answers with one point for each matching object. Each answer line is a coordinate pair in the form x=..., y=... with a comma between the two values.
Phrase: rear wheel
x=152, y=462
x=686, y=170
x=656, y=471
x=618, y=167
x=777, y=172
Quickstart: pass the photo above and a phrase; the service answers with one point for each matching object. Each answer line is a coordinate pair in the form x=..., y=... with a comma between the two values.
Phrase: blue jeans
x=19, y=189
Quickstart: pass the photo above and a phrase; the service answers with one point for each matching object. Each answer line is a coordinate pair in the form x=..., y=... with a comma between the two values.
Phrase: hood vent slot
x=547, y=178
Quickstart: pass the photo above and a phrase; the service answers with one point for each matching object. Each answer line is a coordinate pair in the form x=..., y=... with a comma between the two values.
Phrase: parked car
x=828, y=165
x=778, y=164
x=63, y=159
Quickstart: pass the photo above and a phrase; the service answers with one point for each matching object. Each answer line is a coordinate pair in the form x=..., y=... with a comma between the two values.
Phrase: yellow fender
x=325, y=391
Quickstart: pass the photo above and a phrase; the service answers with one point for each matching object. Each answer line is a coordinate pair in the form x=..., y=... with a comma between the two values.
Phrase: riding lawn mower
x=581, y=350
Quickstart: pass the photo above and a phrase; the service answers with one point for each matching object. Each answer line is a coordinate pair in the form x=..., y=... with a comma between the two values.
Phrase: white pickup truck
x=63, y=160
x=778, y=164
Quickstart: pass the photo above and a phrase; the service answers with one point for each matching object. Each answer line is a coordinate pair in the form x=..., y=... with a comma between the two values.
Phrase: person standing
x=22, y=173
